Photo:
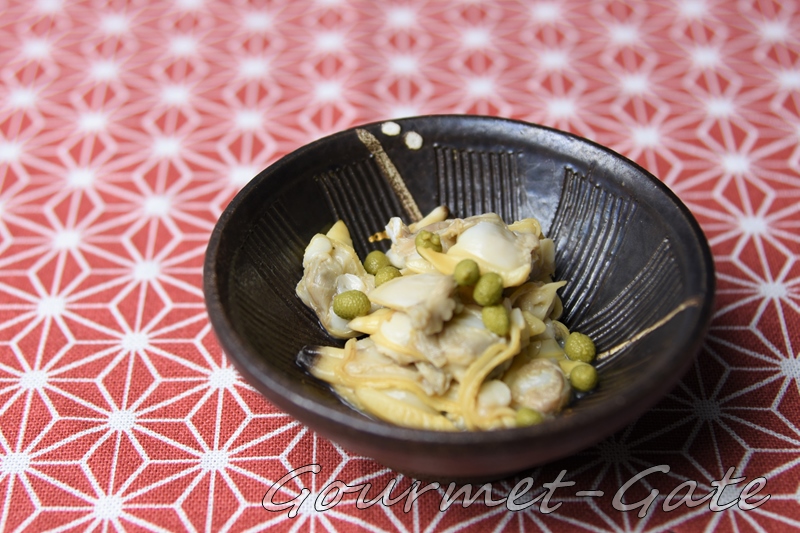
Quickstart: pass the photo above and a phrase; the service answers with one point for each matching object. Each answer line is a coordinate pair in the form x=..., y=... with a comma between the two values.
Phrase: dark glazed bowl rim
x=585, y=428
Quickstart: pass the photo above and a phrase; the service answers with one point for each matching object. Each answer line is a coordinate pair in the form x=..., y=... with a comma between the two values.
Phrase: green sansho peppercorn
x=580, y=347
x=385, y=274
x=583, y=378
x=488, y=289
x=526, y=416
x=467, y=272
x=496, y=319
x=374, y=261
x=351, y=304
x=427, y=239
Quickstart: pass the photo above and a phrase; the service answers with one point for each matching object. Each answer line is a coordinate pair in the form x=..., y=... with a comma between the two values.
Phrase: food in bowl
x=458, y=324
x=630, y=251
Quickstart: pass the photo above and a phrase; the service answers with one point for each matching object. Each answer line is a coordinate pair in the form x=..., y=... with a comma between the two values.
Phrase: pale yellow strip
x=494, y=355
x=331, y=369
x=398, y=412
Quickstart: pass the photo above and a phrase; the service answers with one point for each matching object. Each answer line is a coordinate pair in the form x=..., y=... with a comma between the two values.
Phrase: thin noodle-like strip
x=496, y=417
x=399, y=412
x=479, y=369
x=345, y=379
x=438, y=404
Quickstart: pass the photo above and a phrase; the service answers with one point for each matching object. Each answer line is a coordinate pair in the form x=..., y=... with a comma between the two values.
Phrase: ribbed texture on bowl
x=472, y=183
x=590, y=228
x=359, y=194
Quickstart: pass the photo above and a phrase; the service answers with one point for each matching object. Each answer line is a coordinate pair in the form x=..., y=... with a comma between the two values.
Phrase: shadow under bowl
x=639, y=272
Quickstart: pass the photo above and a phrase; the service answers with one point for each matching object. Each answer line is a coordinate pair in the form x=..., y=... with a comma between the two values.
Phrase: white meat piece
x=486, y=239
x=331, y=267
x=497, y=249
x=402, y=242
x=427, y=299
x=434, y=380
x=539, y=299
x=403, y=253
x=540, y=385
x=368, y=362
x=494, y=393
x=464, y=338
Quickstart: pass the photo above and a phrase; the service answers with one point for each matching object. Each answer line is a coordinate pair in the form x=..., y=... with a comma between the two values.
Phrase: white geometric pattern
x=125, y=128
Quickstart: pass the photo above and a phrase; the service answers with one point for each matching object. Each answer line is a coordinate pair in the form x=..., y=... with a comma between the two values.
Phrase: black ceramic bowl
x=639, y=271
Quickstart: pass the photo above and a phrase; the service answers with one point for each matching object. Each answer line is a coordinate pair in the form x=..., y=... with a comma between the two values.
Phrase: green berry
x=579, y=347
x=583, y=377
x=374, y=261
x=351, y=304
x=496, y=319
x=427, y=239
x=385, y=274
x=467, y=272
x=528, y=417
x=488, y=289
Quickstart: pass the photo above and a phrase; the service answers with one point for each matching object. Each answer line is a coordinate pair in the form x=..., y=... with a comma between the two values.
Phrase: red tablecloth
x=126, y=127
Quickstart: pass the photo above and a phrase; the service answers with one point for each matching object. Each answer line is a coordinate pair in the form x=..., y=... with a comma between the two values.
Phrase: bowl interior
x=638, y=269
